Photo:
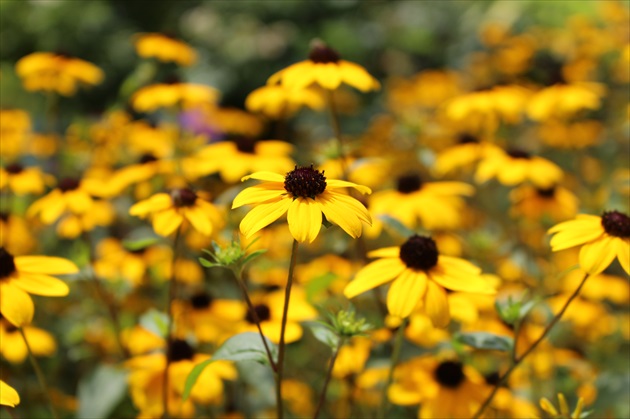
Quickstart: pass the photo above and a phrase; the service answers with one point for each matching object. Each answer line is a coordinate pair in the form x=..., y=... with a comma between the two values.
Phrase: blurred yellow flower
x=24, y=180
x=278, y=101
x=516, y=166
x=15, y=234
x=556, y=202
x=56, y=73
x=8, y=395
x=167, y=95
x=13, y=348
x=564, y=100
x=15, y=130
x=164, y=48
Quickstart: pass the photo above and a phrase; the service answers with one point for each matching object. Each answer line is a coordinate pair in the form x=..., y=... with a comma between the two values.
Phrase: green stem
x=390, y=376
x=172, y=292
x=281, y=347
x=519, y=359
x=40, y=375
x=322, y=397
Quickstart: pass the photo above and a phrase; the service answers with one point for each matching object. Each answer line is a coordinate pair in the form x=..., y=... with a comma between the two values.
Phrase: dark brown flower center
x=408, y=183
x=245, y=144
x=183, y=197
x=517, y=153
x=321, y=53
x=468, y=139
x=68, y=184
x=147, y=158
x=450, y=374
x=546, y=192
x=305, y=182
x=419, y=253
x=201, y=300
x=4, y=216
x=7, y=264
x=616, y=224
x=492, y=378
x=179, y=349
x=262, y=311
x=14, y=168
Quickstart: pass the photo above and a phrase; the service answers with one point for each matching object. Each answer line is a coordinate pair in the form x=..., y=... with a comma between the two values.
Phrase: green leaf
x=155, y=321
x=485, y=340
x=139, y=244
x=319, y=284
x=207, y=264
x=396, y=226
x=324, y=334
x=252, y=256
x=101, y=392
x=246, y=346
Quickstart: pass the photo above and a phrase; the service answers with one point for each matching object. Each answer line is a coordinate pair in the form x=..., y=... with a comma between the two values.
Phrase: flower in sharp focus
x=324, y=68
x=564, y=412
x=304, y=194
x=56, y=72
x=24, y=275
x=169, y=210
x=419, y=273
x=164, y=48
x=8, y=395
x=602, y=238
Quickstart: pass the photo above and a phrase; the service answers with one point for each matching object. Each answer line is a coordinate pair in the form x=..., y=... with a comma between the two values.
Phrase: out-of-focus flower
x=461, y=156
x=169, y=210
x=430, y=89
x=15, y=128
x=305, y=194
x=326, y=69
x=21, y=275
x=564, y=412
x=602, y=238
x=56, y=73
x=167, y=95
x=15, y=235
x=419, y=273
x=23, y=180
x=8, y=395
x=164, y=48
x=278, y=101
x=101, y=214
x=534, y=203
x=570, y=135
x=13, y=348
x=516, y=166
x=564, y=100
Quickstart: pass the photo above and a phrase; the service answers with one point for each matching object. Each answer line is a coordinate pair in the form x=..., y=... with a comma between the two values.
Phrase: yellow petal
x=459, y=280
x=436, y=305
x=40, y=284
x=373, y=275
x=334, y=183
x=166, y=222
x=356, y=76
x=199, y=219
x=8, y=395
x=546, y=405
x=570, y=238
x=263, y=215
x=259, y=194
x=263, y=175
x=15, y=304
x=158, y=202
x=305, y=219
x=385, y=252
x=357, y=207
x=45, y=265
x=623, y=253
x=564, y=407
x=405, y=292
x=340, y=214
x=328, y=75
x=598, y=255
x=582, y=222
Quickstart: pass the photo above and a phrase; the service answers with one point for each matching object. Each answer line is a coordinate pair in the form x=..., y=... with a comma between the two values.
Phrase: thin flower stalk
x=172, y=293
x=322, y=397
x=400, y=333
x=40, y=375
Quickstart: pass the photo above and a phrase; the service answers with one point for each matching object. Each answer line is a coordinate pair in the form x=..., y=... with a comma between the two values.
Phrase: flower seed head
x=183, y=197
x=179, y=349
x=262, y=311
x=419, y=253
x=7, y=264
x=616, y=224
x=305, y=182
x=201, y=300
x=68, y=184
x=467, y=139
x=147, y=158
x=321, y=53
x=546, y=192
x=245, y=144
x=450, y=374
x=408, y=183
x=14, y=168
x=517, y=153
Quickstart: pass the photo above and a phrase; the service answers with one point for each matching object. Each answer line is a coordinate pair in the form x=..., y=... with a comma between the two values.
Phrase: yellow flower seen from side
x=59, y=73
x=565, y=100
x=15, y=129
x=24, y=275
x=168, y=211
x=151, y=98
x=8, y=395
x=516, y=166
x=602, y=238
x=306, y=196
x=556, y=202
x=277, y=101
x=13, y=348
x=164, y=48
x=23, y=180
x=326, y=69
x=419, y=274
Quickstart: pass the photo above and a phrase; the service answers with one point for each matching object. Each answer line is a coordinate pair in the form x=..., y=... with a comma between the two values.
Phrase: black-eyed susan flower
x=56, y=73
x=164, y=48
x=8, y=395
x=24, y=275
x=461, y=156
x=13, y=348
x=602, y=238
x=169, y=210
x=556, y=202
x=515, y=166
x=305, y=194
x=15, y=129
x=564, y=100
x=434, y=205
x=326, y=69
x=563, y=410
x=420, y=274
x=278, y=101
x=168, y=95
x=23, y=180
x=15, y=234
x=101, y=214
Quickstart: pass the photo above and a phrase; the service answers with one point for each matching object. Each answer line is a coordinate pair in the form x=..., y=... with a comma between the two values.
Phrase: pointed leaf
x=486, y=340
x=101, y=392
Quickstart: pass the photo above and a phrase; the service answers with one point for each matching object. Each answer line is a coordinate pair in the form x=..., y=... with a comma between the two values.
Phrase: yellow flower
x=602, y=238
x=8, y=395
x=516, y=166
x=15, y=234
x=305, y=194
x=434, y=204
x=564, y=100
x=22, y=275
x=56, y=72
x=23, y=180
x=324, y=68
x=15, y=129
x=164, y=48
x=462, y=155
x=570, y=135
x=556, y=202
x=101, y=213
x=150, y=98
x=13, y=348
x=277, y=101
x=548, y=407
x=419, y=273
x=169, y=210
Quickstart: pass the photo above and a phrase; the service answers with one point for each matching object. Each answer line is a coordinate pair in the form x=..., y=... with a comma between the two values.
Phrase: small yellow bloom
x=13, y=348
x=15, y=234
x=164, y=48
x=155, y=96
x=277, y=101
x=602, y=238
x=56, y=72
x=516, y=166
x=8, y=395
x=23, y=180
x=326, y=69
x=15, y=129
x=564, y=100
x=534, y=203
x=305, y=194
x=419, y=273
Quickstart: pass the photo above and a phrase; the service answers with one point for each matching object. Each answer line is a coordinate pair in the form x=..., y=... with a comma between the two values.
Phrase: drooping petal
x=357, y=207
x=259, y=194
x=263, y=175
x=263, y=215
x=8, y=395
x=199, y=220
x=40, y=284
x=45, y=265
x=598, y=255
x=436, y=305
x=166, y=222
x=305, y=219
x=373, y=275
x=581, y=222
x=15, y=304
x=574, y=237
x=623, y=253
x=405, y=292
x=334, y=183
x=339, y=214
x=385, y=252
x=158, y=202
